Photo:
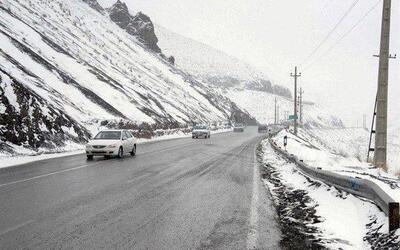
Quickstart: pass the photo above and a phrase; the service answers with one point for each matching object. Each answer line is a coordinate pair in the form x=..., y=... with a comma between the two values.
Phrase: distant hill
x=214, y=66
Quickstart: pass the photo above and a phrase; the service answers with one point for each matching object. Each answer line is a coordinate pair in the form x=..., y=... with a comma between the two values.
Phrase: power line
x=331, y=31
x=344, y=35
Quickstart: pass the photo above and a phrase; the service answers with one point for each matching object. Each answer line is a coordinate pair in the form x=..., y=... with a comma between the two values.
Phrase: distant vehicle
x=262, y=128
x=213, y=127
x=226, y=125
x=109, y=143
x=238, y=127
x=201, y=131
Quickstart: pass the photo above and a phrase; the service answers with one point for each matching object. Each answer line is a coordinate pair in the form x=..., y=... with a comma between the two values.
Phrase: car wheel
x=133, y=152
x=120, y=152
x=89, y=157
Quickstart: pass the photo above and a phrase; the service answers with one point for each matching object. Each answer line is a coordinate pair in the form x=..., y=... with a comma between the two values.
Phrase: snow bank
x=343, y=219
x=330, y=155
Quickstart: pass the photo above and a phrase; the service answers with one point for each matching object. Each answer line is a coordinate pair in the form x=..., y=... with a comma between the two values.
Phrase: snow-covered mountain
x=66, y=66
x=213, y=66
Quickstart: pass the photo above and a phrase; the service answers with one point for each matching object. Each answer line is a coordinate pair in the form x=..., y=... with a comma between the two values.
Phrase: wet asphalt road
x=175, y=194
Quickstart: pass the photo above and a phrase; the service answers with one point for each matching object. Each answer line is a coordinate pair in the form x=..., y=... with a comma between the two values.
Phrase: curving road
x=175, y=194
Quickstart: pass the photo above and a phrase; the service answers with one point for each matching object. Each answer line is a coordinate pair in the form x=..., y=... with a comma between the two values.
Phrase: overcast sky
x=276, y=35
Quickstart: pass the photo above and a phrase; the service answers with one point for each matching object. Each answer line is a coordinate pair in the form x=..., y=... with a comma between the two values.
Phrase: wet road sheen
x=175, y=194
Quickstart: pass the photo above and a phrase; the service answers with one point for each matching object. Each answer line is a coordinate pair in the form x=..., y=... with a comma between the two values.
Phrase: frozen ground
x=7, y=160
x=316, y=216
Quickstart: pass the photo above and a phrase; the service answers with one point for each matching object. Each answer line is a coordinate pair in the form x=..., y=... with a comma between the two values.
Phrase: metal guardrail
x=354, y=185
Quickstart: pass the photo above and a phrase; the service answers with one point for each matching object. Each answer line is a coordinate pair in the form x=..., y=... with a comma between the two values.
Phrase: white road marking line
x=252, y=236
x=16, y=227
x=44, y=175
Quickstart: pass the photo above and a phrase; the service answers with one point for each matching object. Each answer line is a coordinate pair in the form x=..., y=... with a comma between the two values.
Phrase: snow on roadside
x=328, y=156
x=26, y=155
x=336, y=220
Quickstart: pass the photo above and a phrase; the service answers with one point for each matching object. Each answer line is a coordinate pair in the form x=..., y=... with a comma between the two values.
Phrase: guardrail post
x=394, y=216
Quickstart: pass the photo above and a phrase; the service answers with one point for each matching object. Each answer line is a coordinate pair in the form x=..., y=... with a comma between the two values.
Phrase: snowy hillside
x=65, y=66
x=213, y=66
x=353, y=143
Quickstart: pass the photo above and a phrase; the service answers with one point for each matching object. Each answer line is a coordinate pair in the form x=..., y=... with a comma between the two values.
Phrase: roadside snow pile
x=347, y=142
x=353, y=142
x=316, y=154
x=316, y=216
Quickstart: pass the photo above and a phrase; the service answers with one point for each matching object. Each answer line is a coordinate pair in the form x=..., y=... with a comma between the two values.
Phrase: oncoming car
x=201, y=131
x=109, y=143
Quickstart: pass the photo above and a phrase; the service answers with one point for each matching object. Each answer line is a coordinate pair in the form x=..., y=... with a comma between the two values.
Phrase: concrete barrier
x=354, y=185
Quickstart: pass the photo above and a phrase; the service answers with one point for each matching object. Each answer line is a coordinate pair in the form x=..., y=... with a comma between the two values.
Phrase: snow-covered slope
x=214, y=66
x=65, y=66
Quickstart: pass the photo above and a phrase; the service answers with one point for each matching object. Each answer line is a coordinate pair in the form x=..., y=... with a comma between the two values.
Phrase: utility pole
x=301, y=105
x=295, y=76
x=382, y=94
x=275, y=113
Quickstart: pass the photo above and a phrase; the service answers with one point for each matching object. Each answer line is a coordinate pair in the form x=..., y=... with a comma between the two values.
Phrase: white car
x=201, y=131
x=109, y=143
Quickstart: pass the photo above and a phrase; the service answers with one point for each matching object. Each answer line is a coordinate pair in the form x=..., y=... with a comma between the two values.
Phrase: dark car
x=262, y=128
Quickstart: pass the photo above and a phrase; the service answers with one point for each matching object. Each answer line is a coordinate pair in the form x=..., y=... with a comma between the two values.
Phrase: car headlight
x=112, y=146
x=88, y=146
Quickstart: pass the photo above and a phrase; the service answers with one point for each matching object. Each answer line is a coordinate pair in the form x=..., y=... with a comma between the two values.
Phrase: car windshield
x=200, y=127
x=108, y=135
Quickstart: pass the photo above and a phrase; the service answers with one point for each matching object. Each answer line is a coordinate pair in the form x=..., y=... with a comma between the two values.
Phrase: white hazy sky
x=276, y=35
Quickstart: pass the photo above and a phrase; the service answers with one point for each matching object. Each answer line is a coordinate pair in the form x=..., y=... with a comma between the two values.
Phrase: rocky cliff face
x=138, y=25
x=29, y=121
